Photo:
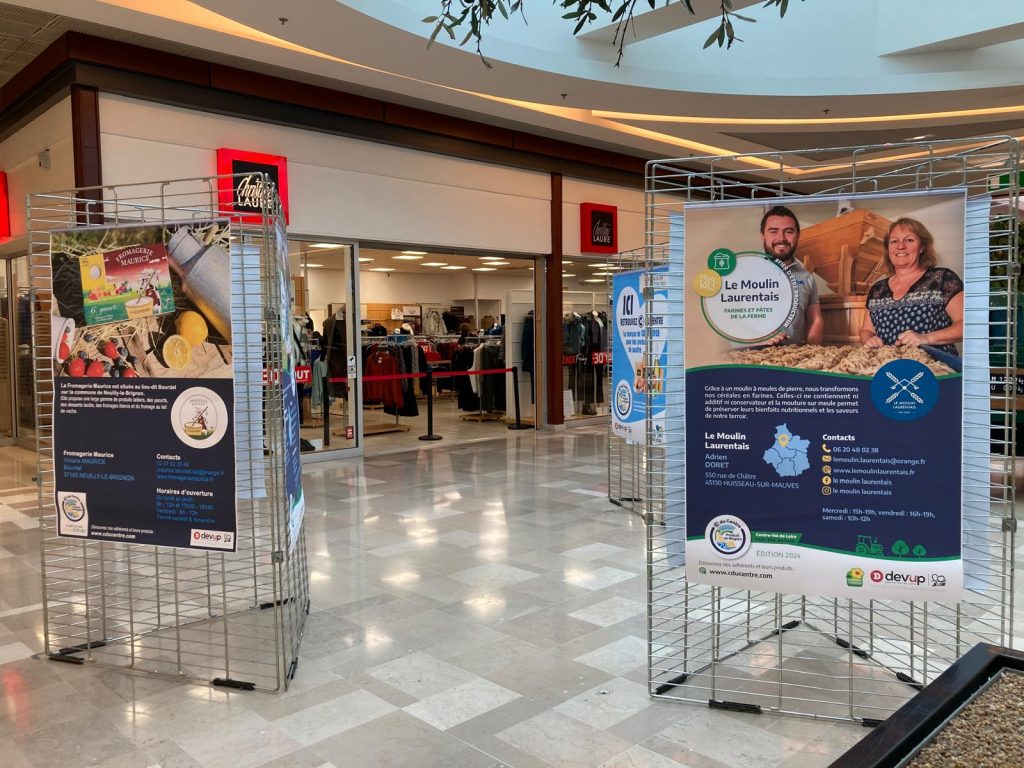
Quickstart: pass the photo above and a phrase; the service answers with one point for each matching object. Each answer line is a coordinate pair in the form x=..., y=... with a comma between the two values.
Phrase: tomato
x=76, y=367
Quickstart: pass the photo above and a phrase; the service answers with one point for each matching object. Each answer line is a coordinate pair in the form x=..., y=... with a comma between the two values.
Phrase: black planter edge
x=911, y=724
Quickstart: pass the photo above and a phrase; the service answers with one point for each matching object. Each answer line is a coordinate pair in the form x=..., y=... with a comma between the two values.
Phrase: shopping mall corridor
x=480, y=605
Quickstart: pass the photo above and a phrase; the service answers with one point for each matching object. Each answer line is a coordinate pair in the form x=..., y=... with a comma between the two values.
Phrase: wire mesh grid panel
x=626, y=456
x=231, y=617
x=838, y=657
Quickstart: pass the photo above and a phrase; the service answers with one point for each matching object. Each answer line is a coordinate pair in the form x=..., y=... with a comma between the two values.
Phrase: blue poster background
x=630, y=401
x=767, y=501
x=121, y=491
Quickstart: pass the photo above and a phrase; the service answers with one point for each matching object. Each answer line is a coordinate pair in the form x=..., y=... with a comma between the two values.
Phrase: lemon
x=177, y=352
x=192, y=326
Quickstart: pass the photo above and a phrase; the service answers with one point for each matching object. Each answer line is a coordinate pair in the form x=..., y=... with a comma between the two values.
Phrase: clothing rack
x=491, y=414
x=385, y=342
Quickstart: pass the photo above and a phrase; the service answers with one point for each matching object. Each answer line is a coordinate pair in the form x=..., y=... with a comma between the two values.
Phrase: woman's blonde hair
x=927, y=259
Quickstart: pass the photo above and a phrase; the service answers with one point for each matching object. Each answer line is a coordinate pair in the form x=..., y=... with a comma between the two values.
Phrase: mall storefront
x=402, y=261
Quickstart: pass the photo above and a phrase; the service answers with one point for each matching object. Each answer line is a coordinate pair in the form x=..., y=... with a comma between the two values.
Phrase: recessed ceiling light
x=597, y=266
x=491, y=258
x=434, y=264
x=408, y=257
x=485, y=269
x=453, y=266
x=568, y=274
x=327, y=245
x=603, y=273
x=598, y=280
x=314, y=265
x=497, y=263
x=364, y=259
x=381, y=269
x=614, y=269
x=918, y=138
x=414, y=253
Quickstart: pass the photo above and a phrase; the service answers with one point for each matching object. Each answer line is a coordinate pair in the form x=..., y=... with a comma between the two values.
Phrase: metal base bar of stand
x=515, y=393
x=327, y=413
x=430, y=408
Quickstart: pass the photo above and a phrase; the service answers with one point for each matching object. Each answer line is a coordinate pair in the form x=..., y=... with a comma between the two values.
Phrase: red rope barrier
x=436, y=375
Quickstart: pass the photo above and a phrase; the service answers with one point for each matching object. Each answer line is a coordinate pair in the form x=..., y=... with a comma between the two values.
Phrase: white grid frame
x=230, y=619
x=834, y=659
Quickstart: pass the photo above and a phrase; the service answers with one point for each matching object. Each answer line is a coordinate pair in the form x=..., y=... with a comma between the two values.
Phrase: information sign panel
x=824, y=396
x=143, y=396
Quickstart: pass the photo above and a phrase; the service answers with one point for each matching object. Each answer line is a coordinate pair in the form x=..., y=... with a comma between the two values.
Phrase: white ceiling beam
x=653, y=22
x=908, y=27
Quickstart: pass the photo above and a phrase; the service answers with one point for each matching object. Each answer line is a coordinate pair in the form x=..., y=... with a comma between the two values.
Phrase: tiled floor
x=476, y=605
x=448, y=423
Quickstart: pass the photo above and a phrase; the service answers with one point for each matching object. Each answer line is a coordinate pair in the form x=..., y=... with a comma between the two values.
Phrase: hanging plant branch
x=477, y=14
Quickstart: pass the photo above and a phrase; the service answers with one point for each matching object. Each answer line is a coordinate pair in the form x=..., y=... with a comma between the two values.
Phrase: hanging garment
x=318, y=395
x=492, y=385
x=463, y=361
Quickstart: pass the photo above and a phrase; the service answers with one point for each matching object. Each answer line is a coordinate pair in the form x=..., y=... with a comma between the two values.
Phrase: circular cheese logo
x=199, y=417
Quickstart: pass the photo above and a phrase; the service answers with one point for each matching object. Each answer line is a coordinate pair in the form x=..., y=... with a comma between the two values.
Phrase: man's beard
x=787, y=256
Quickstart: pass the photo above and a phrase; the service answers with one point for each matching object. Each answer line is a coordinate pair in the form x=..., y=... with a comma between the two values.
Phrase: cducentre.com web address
x=740, y=573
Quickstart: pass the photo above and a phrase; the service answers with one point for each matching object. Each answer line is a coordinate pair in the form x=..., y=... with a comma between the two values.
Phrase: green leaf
x=783, y=7
x=467, y=38
x=433, y=35
x=572, y=14
x=579, y=25
x=501, y=8
x=618, y=13
x=727, y=5
x=712, y=38
x=430, y=19
x=689, y=7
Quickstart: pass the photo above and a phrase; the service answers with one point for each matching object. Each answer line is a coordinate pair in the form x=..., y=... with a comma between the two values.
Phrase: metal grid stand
x=626, y=459
x=839, y=659
x=234, y=619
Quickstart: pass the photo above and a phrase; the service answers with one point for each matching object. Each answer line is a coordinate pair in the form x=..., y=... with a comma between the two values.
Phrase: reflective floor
x=476, y=605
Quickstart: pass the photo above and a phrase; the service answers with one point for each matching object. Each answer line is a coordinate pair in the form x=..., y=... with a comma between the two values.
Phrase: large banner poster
x=824, y=417
x=633, y=387
x=143, y=397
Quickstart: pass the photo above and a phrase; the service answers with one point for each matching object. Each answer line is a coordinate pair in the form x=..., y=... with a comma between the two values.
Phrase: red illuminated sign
x=599, y=228
x=240, y=186
x=5, y=207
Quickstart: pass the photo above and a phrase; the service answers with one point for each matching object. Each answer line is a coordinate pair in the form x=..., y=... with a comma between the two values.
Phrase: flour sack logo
x=729, y=536
x=904, y=390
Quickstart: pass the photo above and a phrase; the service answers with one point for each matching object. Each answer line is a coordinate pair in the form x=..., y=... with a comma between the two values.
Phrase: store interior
x=397, y=313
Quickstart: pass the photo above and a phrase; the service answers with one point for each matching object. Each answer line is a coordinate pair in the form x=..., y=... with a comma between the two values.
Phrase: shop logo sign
x=599, y=230
x=5, y=207
x=855, y=577
x=247, y=181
